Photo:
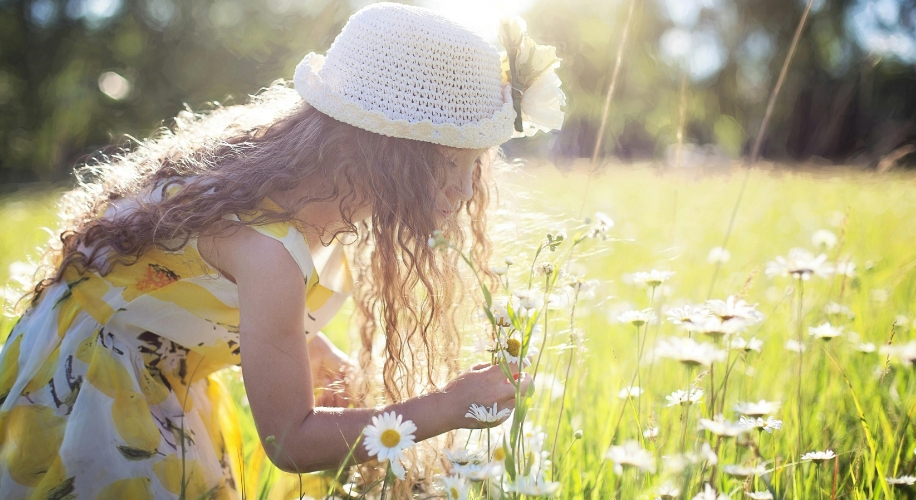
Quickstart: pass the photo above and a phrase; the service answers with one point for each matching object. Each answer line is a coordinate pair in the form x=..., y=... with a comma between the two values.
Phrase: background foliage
x=77, y=75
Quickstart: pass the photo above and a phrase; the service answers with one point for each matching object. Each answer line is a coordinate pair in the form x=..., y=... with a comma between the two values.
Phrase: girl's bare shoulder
x=235, y=249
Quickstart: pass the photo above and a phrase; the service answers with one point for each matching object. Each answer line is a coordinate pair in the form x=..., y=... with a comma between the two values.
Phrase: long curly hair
x=229, y=159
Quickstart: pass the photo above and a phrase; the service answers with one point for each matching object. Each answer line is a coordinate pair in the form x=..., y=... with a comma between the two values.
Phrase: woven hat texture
x=404, y=71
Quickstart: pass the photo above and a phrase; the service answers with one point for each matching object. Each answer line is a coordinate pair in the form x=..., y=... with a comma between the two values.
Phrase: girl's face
x=458, y=185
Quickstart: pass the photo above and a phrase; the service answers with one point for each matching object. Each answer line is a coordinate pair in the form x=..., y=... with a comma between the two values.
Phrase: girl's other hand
x=483, y=384
x=331, y=369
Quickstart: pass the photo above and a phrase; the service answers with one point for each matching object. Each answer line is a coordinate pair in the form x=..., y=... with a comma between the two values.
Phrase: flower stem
x=801, y=298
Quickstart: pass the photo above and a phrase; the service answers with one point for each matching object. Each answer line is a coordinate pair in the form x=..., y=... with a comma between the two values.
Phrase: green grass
x=855, y=404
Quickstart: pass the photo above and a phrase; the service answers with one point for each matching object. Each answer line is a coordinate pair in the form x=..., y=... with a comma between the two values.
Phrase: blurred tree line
x=79, y=76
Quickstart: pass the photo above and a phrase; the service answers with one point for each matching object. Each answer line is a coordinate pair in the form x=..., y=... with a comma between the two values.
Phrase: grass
x=859, y=405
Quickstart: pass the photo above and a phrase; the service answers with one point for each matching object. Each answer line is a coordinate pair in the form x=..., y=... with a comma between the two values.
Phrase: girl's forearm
x=324, y=438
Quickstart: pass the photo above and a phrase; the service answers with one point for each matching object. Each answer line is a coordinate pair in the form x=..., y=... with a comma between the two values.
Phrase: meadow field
x=601, y=327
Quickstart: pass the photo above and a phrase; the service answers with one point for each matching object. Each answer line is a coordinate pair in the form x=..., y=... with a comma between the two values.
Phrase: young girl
x=218, y=243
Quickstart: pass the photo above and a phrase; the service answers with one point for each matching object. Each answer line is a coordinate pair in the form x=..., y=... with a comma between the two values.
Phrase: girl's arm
x=277, y=374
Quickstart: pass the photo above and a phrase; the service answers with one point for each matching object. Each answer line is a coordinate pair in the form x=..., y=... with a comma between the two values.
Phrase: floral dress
x=107, y=386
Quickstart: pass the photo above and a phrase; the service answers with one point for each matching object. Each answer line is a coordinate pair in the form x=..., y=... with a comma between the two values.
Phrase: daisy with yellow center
x=455, y=487
x=388, y=436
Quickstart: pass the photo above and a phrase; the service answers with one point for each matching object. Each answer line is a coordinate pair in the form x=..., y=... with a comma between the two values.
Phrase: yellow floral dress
x=107, y=386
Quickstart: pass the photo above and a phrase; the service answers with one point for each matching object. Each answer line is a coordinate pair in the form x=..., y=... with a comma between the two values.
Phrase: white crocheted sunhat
x=407, y=72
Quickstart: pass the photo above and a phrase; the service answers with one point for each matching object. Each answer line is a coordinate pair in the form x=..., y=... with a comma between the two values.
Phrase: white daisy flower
x=637, y=318
x=825, y=331
x=499, y=270
x=680, y=397
x=800, y=263
x=528, y=301
x=651, y=433
x=721, y=427
x=689, y=351
x=846, y=268
x=818, y=456
x=500, y=311
x=866, y=347
x=631, y=391
x=795, y=346
x=759, y=495
x=768, y=425
x=901, y=481
x=739, y=344
x=463, y=456
x=652, y=278
x=732, y=307
x=510, y=349
x=668, y=491
x=630, y=454
x=824, y=239
x=742, y=472
x=455, y=487
x=758, y=409
x=718, y=255
x=709, y=493
x=602, y=224
x=687, y=315
x=487, y=415
x=716, y=327
x=479, y=471
x=388, y=436
x=534, y=486
x=904, y=353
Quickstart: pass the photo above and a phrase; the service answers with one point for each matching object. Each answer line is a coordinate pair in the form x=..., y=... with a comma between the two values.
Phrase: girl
x=219, y=243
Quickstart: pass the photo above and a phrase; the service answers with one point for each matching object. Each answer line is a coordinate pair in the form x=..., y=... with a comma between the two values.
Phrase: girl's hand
x=331, y=368
x=484, y=384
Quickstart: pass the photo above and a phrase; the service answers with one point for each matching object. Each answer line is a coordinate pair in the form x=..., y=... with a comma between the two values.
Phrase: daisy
x=651, y=433
x=668, y=491
x=905, y=353
x=759, y=495
x=630, y=454
x=499, y=270
x=716, y=327
x=510, y=349
x=742, y=472
x=758, y=409
x=718, y=255
x=800, y=263
x=632, y=391
x=602, y=224
x=487, y=415
x=388, y=436
x=680, y=397
x=500, y=312
x=687, y=315
x=478, y=471
x=722, y=427
x=818, y=456
x=739, y=344
x=652, y=278
x=528, y=301
x=824, y=239
x=825, y=331
x=455, y=487
x=463, y=456
x=709, y=493
x=637, y=318
x=794, y=346
x=901, y=481
x=734, y=308
x=769, y=425
x=866, y=347
x=846, y=268
x=689, y=351
x=534, y=486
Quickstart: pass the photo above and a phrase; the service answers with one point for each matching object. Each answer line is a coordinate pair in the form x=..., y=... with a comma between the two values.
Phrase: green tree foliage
x=79, y=76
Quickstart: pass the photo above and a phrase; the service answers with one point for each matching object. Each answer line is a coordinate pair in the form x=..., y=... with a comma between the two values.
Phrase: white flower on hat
x=534, y=78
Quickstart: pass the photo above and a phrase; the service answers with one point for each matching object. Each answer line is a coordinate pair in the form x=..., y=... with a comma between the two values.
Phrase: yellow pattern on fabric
x=121, y=398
